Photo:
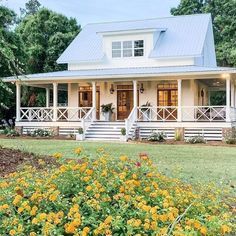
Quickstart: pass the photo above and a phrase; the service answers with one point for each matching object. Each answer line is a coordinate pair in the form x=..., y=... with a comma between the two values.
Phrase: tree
x=31, y=7
x=46, y=35
x=224, y=25
x=11, y=59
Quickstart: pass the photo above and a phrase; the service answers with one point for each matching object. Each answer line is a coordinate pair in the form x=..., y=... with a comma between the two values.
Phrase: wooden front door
x=86, y=99
x=124, y=103
x=167, y=97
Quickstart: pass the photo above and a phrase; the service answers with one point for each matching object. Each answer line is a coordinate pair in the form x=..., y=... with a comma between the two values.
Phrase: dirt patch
x=11, y=160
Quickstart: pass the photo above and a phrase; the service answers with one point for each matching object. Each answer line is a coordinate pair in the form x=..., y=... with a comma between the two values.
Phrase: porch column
x=179, y=100
x=135, y=91
x=228, y=99
x=18, y=102
x=55, y=97
x=47, y=97
x=232, y=94
x=94, y=99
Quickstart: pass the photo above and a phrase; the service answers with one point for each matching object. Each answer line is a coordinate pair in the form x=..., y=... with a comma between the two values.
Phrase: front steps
x=103, y=130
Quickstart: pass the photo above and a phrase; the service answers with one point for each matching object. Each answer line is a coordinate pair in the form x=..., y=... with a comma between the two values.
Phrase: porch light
x=141, y=88
x=112, y=89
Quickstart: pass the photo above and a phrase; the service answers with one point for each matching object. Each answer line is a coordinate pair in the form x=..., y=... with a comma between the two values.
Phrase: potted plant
x=123, y=135
x=107, y=111
x=80, y=135
x=146, y=111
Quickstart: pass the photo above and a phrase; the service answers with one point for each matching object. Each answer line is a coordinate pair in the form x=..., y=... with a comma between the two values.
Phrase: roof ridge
x=148, y=19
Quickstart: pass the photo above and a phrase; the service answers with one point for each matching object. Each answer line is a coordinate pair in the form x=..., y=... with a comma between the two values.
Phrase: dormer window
x=128, y=49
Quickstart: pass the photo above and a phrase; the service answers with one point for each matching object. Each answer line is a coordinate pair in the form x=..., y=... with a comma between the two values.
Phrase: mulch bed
x=12, y=160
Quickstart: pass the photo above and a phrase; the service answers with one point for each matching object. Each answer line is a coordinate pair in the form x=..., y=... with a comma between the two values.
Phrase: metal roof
x=122, y=73
x=184, y=36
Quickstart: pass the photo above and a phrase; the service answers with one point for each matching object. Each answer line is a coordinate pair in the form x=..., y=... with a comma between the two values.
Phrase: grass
x=190, y=163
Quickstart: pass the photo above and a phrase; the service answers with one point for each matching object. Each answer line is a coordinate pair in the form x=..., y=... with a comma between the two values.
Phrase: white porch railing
x=88, y=119
x=129, y=122
x=233, y=114
x=72, y=113
x=158, y=113
x=36, y=114
x=47, y=113
x=204, y=113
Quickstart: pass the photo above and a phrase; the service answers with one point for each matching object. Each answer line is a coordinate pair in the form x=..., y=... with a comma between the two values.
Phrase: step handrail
x=129, y=122
x=87, y=120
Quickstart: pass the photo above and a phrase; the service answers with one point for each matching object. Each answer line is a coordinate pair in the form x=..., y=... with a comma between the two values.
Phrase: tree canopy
x=224, y=24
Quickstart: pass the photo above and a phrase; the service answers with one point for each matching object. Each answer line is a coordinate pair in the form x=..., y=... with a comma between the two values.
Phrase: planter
x=107, y=115
x=147, y=115
x=79, y=137
x=123, y=138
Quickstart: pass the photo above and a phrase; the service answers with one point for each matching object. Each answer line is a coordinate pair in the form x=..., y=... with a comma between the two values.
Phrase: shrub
x=11, y=132
x=196, y=139
x=123, y=131
x=80, y=130
x=230, y=140
x=157, y=137
x=107, y=108
x=41, y=133
x=107, y=196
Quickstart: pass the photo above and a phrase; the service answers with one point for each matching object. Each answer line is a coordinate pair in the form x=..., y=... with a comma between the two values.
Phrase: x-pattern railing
x=36, y=114
x=168, y=113
x=72, y=113
x=204, y=113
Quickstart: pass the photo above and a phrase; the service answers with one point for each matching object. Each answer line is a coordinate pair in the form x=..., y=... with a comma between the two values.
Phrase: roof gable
x=184, y=36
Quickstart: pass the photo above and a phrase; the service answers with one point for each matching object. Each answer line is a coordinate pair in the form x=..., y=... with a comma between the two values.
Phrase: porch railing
x=188, y=113
x=47, y=113
x=130, y=121
x=36, y=114
x=168, y=113
x=72, y=113
x=204, y=113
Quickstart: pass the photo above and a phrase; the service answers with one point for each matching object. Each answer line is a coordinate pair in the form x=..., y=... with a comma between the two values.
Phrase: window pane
x=116, y=45
x=138, y=52
x=127, y=53
x=116, y=53
x=127, y=44
x=138, y=44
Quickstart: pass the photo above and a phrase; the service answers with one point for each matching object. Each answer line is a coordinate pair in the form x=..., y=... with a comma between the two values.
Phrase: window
x=116, y=49
x=138, y=48
x=128, y=49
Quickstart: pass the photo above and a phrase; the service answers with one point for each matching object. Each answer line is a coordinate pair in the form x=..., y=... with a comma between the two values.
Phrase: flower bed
x=106, y=196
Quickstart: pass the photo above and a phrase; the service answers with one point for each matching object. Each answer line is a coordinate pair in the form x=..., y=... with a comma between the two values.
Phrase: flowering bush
x=107, y=196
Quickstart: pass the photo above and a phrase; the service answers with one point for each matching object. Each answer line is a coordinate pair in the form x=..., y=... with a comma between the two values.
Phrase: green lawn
x=187, y=162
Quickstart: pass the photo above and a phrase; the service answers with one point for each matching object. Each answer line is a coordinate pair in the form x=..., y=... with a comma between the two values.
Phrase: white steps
x=103, y=130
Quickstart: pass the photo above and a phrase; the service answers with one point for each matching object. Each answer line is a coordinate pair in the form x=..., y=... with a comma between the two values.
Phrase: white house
x=157, y=73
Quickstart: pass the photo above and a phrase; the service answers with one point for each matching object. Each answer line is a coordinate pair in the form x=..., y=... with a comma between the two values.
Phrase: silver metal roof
x=184, y=36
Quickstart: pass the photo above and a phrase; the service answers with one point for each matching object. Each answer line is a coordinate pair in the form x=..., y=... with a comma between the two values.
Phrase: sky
x=93, y=11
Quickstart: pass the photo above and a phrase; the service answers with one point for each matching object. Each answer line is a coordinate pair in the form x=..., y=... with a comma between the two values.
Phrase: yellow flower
x=108, y=220
x=17, y=199
x=57, y=155
x=33, y=234
x=43, y=216
x=35, y=221
x=203, y=230
x=33, y=211
x=88, y=188
x=12, y=232
x=78, y=150
x=225, y=229
x=123, y=158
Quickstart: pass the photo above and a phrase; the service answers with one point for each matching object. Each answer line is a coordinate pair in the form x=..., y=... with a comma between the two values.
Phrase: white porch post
x=18, y=102
x=135, y=94
x=232, y=94
x=228, y=99
x=179, y=100
x=94, y=99
x=47, y=97
x=55, y=97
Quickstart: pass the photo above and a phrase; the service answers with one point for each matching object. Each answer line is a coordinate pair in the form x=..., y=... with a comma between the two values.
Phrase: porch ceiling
x=121, y=73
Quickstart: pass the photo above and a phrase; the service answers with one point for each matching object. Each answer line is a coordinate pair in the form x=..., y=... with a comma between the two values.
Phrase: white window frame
x=122, y=49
